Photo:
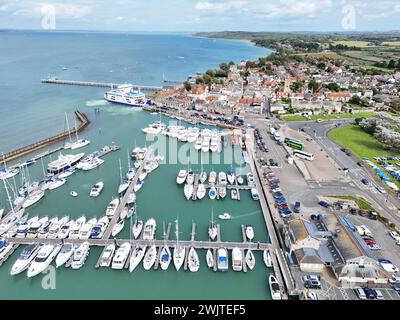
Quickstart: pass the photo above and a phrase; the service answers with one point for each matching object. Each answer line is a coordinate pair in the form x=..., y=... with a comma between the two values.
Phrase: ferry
x=127, y=96
x=64, y=162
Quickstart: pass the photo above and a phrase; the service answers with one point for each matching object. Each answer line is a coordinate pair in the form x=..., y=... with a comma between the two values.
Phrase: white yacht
x=65, y=254
x=136, y=257
x=32, y=198
x=267, y=258
x=225, y=216
x=150, y=257
x=214, y=144
x=130, y=175
x=85, y=231
x=274, y=288
x=45, y=228
x=201, y=191
x=222, y=259
x=56, y=226
x=137, y=228
x=141, y=154
x=199, y=143
x=112, y=207
x=6, y=173
x=240, y=180
x=118, y=227
x=80, y=255
x=26, y=257
x=210, y=258
x=249, y=232
x=222, y=178
x=143, y=174
x=34, y=227
x=97, y=189
x=74, y=194
x=212, y=193
x=91, y=164
x=131, y=198
x=250, y=259
x=205, y=146
x=43, y=259
x=190, y=177
x=203, y=177
x=188, y=191
x=193, y=260
x=237, y=259
x=22, y=229
x=165, y=257
x=126, y=95
x=235, y=194
x=121, y=255
x=5, y=248
x=250, y=180
x=222, y=192
x=107, y=255
x=212, y=178
x=149, y=229
x=138, y=185
x=57, y=183
x=179, y=251
x=100, y=227
x=254, y=194
x=79, y=143
x=65, y=229
x=192, y=135
x=231, y=176
x=64, y=162
x=66, y=173
x=181, y=178
x=74, y=230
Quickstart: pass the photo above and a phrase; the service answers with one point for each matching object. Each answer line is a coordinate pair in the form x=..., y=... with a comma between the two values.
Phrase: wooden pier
x=99, y=84
x=17, y=153
x=243, y=227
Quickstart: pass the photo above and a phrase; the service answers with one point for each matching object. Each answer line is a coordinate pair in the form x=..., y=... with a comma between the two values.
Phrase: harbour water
x=34, y=111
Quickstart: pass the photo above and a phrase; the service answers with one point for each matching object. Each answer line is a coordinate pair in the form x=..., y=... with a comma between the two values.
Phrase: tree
x=295, y=86
x=199, y=80
x=333, y=86
x=313, y=85
x=207, y=79
x=391, y=64
x=321, y=65
x=355, y=100
x=211, y=73
x=187, y=86
x=224, y=66
x=231, y=63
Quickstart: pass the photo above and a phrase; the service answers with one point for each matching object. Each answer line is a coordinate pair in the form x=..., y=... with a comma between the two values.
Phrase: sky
x=201, y=15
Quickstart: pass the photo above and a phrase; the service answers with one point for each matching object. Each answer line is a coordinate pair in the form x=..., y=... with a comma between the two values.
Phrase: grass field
x=361, y=202
x=314, y=117
x=391, y=43
x=361, y=144
x=359, y=44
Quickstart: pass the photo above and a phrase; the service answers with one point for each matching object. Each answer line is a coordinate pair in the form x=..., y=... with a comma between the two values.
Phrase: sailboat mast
x=69, y=131
x=8, y=196
x=120, y=170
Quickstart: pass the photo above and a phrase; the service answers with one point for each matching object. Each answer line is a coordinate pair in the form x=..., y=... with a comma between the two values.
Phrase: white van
x=360, y=293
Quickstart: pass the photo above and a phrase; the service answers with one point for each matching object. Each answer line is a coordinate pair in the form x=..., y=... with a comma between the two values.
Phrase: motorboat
x=137, y=228
x=130, y=175
x=231, y=177
x=205, y=146
x=136, y=257
x=123, y=187
x=121, y=255
x=181, y=178
x=213, y=230
x=85, y=231
x=65, y=254
x=118, y=227
x=33, y=198
x=165, y=257
x=73, y=194
x=222, y=179
x=203, y=177
x=190, y=177
x=91, y=164
x=107, y=255
x=188, y=190
x=267, y=258
x=97, y=189
x=199, y=143
x=57, y=183
x=22, y=229
x=99, y=228
x=249, y=232
x=235, y=194
x=66, y=173
x=26, y=257
x=150, y=257
x=80, y=255
x=214, y=144
x=237, y=259
x=222, y=192
x=201, y=191
x=254, y=194
x=56, y=226
x=222, y=259
x=250, y=259
x=141, y=154
x=45, y=256
x=124, y=212
x=138, y=185
x=112, y=207
x=193, y=260
x=149, y=229
x=210, y=259
x=131, y=198
x=225, y=216
x=250, y=180
x=240, y=180
x=65, y=229
x=34, y=227
x=6, y=173
x=135, y=153
x=212, y=193
x=76, y=227
x=212, y=178
x=5, y=248
x=274, y=288
x=179, y=256
x=45, y=228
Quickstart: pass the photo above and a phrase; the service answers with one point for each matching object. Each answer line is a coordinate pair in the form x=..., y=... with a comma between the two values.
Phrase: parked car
x=394, y=279
x=388, y=265
x=312, y=284
x=381, y=189
x=396, y=286
x=360, y=293
x=353, y=211
x=365, y=181
x=394, y=235
x=324, y=204
x=363, y=213
x=297, y=207
x=370, y=293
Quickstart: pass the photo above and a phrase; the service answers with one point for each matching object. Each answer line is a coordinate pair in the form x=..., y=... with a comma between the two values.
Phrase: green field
x=360, y=44
x=296, y=117
x=360, y=201
x=361, y=144
x=391, y=43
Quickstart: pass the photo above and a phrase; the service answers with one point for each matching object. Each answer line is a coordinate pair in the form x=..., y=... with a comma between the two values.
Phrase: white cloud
x=294, y=8
x=62, y=11
x=220, y=7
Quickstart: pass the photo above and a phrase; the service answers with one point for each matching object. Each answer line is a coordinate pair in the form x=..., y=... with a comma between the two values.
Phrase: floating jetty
x=53, y=80
x=84, y=122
